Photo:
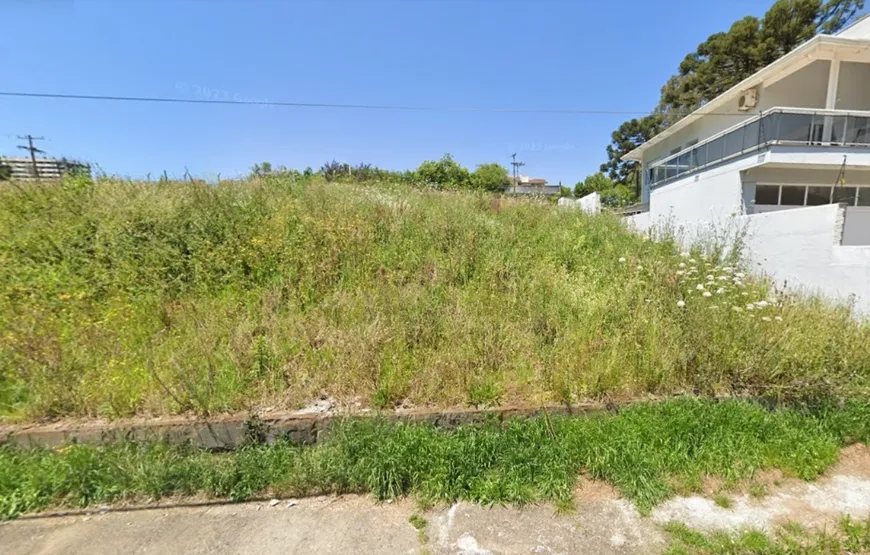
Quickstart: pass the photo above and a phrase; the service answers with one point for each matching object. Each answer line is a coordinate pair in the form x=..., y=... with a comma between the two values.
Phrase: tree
x=629, y=136
x=595, y=182
x=490, y=177
x=260, y=170
x=5, y=172
x=612, y=193
x=446, y=173
x=722, y=61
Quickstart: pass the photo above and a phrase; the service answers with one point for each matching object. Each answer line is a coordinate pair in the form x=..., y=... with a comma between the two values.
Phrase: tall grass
x=121, y=298
x=644, y=451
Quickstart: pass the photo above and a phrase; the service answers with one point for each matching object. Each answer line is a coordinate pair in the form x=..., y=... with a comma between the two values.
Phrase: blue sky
x=599, y=55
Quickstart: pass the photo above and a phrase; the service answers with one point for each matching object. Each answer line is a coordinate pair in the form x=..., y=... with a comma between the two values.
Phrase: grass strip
x=846, y=538
x=642, y=450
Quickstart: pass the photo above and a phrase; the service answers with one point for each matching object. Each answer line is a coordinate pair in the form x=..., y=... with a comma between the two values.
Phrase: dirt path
x=602, y=523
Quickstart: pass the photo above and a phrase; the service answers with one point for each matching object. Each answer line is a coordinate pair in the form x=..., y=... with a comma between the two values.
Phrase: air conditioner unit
x=748, y=100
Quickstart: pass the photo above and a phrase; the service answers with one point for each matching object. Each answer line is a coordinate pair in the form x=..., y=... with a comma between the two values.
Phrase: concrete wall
x=639, y=222
x=801, y=247
x=856, y=226
x=591, y=203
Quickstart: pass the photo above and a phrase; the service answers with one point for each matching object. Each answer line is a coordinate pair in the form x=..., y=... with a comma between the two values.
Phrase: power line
x=33, y=150
x=409, y=108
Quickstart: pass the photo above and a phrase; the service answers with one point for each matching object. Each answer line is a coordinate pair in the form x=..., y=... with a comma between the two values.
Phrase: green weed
x=120, y=297
x=847, y=538
x=639, y=450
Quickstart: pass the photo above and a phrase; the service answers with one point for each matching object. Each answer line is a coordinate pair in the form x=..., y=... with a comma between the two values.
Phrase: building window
x=793, y=196
x=817, y=196
x=845, y=194
x=767, y=194
x=864, y=196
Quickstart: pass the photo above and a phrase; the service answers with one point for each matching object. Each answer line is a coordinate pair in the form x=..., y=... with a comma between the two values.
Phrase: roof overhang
x=820, y=47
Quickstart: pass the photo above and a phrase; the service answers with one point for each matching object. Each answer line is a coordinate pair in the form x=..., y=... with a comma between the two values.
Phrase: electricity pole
x=517, y=166
x=33, y=150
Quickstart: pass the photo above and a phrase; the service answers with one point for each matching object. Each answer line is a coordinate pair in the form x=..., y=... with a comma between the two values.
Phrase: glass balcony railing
x=778, y=126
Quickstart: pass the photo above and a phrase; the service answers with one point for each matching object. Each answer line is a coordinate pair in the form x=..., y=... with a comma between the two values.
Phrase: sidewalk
x=328, y=525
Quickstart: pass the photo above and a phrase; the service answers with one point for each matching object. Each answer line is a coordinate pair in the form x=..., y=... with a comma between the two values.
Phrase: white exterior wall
x=856, y=227
x=591, y=203
x=707, y=196
x=639, y=222
x=802, y=247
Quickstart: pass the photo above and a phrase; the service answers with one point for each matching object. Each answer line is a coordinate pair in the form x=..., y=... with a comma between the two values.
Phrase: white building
x=785, y=153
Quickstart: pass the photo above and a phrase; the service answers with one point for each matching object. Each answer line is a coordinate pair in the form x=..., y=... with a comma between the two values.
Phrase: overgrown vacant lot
x=118, y=298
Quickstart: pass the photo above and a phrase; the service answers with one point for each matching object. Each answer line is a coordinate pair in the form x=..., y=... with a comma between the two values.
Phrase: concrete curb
x=232, y=431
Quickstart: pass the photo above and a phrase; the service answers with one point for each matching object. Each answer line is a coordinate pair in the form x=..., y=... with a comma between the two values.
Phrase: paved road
x=338, y=525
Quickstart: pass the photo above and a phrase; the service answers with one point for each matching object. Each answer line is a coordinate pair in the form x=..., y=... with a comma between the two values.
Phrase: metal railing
x=777, y=126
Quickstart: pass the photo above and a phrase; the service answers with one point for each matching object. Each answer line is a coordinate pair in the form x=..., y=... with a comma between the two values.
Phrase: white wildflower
x=766, y=319
x=692, y=261
x=684, y=254
x=744, y=293
x=700, y=287
x=736, y=308
x=639, y=267
x=621, y=259
x=681, y=304
x=761, y=304
x=720, y=291
x=680, y=272
x=682, y=264
x=778, y=318
x=708, y=294
x=740, y=275
x=714, y=307
x=750, y=306
x=722, y=278
x=711, y=277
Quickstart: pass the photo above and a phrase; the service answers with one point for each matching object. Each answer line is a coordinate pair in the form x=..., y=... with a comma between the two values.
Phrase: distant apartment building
x=23, y=169
x=525, y=185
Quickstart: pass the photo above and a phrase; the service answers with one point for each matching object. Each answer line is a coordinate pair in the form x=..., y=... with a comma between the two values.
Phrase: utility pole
x=517, y=166
x=33, y=150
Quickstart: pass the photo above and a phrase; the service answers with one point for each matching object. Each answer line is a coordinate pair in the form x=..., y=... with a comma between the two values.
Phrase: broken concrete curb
x=228, y=432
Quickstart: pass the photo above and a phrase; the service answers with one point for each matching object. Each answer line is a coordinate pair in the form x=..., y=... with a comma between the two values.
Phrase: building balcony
x=825, y=129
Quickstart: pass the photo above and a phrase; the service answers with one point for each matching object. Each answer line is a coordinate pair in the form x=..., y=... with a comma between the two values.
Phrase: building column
x=831, y=99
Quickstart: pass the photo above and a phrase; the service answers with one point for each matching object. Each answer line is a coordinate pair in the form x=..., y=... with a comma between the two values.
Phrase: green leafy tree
x=490, y=177
x=5, y=172
x=445, y=173
x=595, y=182
x=612, y=193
